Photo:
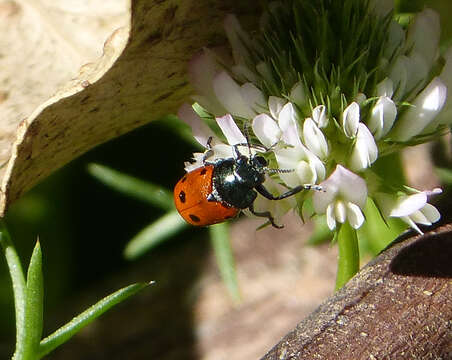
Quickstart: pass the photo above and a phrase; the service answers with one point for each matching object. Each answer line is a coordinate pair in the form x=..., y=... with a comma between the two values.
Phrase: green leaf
x=219, y=235
x=154, y=234
x=19, y=285
x=133, y=187
x=375, y=234
x=33, y=306
x=348, y=261
x=64, y=333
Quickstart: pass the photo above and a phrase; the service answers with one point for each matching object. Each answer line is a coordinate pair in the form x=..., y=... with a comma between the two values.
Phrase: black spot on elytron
x=182, y=196
x=183, y=179
x=203, y=171
x=194, y=218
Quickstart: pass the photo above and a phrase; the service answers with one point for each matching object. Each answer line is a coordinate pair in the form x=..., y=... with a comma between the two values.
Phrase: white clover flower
x=412, y=209
x=343, y=198
x=320, y=119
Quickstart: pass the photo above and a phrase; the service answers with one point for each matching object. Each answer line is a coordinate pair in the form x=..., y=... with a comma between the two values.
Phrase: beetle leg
x=266, y=214
x=209, y=153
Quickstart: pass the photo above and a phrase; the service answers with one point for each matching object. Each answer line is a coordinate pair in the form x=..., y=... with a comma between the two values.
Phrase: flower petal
x=340, y=211
x=407, y=205
x=382, y=117
x=201, y=132
x=288, y=125
x=314, y=139
x=365, y=151
x=319, y=116
x=266, y=129
x=230, y=130
x=385, y=88
x=354, y=215
x=275, y=105
x=431, y=213
x=350, y=120
x=253, y=97
x=423, y=35
x=330, y=219
x=229, y=94
x=238, y=39
x=350, y=186
x=425, y=107
x=298, y=95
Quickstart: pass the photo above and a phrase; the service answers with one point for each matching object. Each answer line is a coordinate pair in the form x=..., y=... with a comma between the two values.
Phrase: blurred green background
x=83, y=226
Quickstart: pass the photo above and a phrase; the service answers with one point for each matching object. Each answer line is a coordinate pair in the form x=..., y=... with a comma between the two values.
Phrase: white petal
x=275, y=105
x=229, y=94
x=382, y=117
x=330, y=219
x=395, y=39
x=425, y=107
x=385, y=88
x=266, y=129
x=399, y=76
x=340, y=211
x=253, y=97
x=288, y=125
x=350, y=120
x=344, y=184
x=317, y=166
x=230, y=130
x=319, y=116
x=431, y=213
x=306, y=173
x=407, y=205
x=418, y=70
x=201, y=132
x=423, y=35
x=298, y=95
x=314, y=139
x=419, y=218
x=365, y=151
x=238, y=39
x=354, y=215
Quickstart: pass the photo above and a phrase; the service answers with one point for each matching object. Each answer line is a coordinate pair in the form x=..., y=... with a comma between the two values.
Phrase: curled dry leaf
x=50, y=114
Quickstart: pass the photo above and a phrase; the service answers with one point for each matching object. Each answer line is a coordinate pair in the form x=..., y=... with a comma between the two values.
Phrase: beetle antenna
x=247, y=136
x=277, y=171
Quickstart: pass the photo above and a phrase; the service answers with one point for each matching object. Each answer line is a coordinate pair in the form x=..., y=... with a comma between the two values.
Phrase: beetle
x=219, y=190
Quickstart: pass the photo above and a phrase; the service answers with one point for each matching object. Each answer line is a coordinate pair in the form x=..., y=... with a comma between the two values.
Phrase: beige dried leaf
x=54, y=108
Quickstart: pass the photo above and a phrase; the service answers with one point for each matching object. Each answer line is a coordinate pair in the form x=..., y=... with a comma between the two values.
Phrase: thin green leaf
x=348, y=261
x=445, y=175
x=133, y=187
x=219, y=235
x=153, y=234
x=19, y=285
x=33, y=306
x=375, y=234
x=64, y=333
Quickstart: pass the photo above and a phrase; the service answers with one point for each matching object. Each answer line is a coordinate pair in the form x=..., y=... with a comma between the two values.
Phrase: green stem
x=348, y=262
x=19, y=286
x=219, y=235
